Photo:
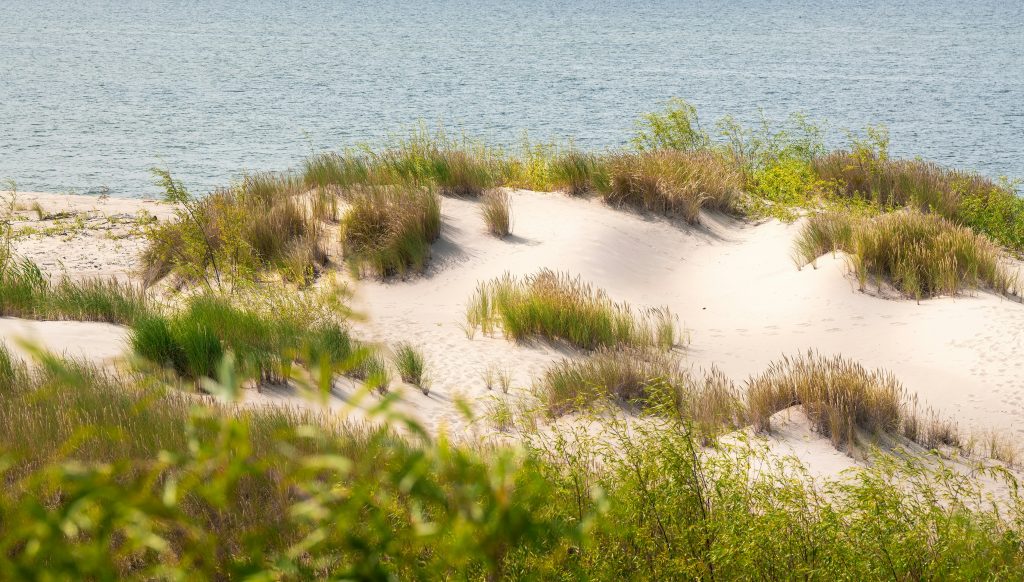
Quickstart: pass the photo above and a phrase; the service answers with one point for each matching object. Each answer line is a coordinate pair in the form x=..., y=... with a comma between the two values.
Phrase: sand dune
x=734, y=286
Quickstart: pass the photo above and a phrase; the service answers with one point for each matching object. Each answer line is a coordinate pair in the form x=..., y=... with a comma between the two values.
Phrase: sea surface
x=93, y=93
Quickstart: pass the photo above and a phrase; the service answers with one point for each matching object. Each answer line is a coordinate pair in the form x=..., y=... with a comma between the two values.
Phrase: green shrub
x=233, y=234
x=388, y=231
x=114, y=477
x=675, y=128
x=556, y=306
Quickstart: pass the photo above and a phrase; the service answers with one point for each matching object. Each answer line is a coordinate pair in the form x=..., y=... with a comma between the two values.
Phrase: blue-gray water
x=93, y=93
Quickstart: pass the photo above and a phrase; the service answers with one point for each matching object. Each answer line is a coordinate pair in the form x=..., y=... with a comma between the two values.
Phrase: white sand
x=99, y=342
x=84, y=236
x=738, y=293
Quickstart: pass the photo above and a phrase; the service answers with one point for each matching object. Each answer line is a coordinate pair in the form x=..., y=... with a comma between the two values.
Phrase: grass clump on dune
x=193, y=341
x=423, y=159
x=840, y=397
x=235, y=234
x=557, y=306
x=388, y=231
x=644, y=378
x=921, y=255
x=496, y=210
x=25, y=291
x=865, y=171
x=411, y=365
x=673, y=183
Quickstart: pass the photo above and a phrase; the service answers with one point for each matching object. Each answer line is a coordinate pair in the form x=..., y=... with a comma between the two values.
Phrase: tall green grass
x=496, y=210
x=389, y=231
x=921, y=255
x=194, y=340
x=25, y=291
x=557, y=306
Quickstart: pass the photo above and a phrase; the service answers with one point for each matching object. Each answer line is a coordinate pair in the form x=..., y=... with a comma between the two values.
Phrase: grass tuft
x=839, y=396
x=496, y=209
x=388, y=231
x=557, y=306
x=410, y=363
x=673, y=183
x=25, y=291
x=921, y=255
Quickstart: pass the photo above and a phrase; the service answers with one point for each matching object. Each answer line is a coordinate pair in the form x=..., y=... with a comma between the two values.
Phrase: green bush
x=110, y=478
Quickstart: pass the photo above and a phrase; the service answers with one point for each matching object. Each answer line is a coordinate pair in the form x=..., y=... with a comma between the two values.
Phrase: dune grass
x=965, y=198
x=422, y=159
x=235, y=233
x=193, y=341
x=409, y=361
x=496, y=210
x=839, y=396
x=646, y=379
x=576, y=172
x=672, y=183
x=557, y=306
x=921, y=255
x=388, y=231
x=25, y=291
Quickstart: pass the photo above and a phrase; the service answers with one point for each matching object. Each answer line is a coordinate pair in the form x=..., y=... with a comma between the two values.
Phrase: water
x=93, y=93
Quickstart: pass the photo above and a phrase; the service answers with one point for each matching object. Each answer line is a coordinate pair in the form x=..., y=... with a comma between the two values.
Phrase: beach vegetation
x=496, y=210
x=409, y=361
x=558, y=306
x=27, y=292
x=388, y=231
x=672, y=183
x=920, y=255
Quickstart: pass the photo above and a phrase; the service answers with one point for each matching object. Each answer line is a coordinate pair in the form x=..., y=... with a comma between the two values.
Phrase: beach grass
x=496, y=210
x=409, y=361
x=388, y=231
x=558, y=306
x=235, y=234
x=920, y=255
x=672, y=183
x=25, y=291
x=839, y=396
